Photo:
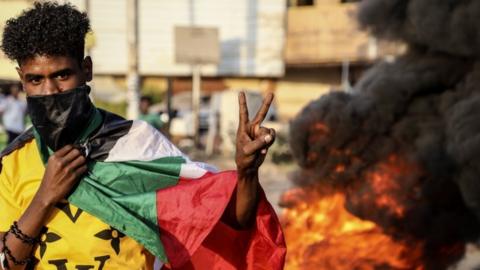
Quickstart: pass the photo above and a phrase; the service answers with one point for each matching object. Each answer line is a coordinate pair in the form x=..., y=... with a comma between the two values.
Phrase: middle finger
x=262, y=112
x=72, y=155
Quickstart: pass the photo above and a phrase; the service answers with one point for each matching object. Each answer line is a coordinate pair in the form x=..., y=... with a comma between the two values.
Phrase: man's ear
x=20, y=75
x=87, y=68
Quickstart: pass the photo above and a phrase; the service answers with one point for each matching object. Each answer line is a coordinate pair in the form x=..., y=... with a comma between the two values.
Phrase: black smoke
x=423, y=109
x=448, y=26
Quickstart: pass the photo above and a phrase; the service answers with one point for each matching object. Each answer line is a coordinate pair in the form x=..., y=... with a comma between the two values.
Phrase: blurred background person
x=13, y=110
x=145, y=114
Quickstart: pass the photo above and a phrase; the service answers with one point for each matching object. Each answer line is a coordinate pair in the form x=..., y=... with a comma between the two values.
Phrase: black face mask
x=60, y=118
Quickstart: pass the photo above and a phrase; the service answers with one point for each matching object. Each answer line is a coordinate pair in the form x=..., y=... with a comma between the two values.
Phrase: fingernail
x=268, y=138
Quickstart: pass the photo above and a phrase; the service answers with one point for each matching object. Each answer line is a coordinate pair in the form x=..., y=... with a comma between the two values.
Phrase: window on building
x=297, y=3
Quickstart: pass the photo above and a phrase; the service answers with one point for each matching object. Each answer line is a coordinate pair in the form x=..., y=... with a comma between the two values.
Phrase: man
x=145, y=115
x=86, y=189
x=13, y=111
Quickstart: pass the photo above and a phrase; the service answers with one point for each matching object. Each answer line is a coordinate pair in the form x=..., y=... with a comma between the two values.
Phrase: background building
x=298, y=49
x=325, y=50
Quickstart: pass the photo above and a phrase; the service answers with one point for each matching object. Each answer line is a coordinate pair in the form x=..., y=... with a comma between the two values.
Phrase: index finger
x=243, y=110
x=64, y=150
x=262, y=112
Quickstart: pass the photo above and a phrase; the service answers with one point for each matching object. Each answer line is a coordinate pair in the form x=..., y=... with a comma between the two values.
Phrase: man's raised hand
x=253, y=140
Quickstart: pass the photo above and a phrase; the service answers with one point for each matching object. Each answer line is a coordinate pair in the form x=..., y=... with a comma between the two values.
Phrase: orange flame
x=387, y=190
x=322, y=235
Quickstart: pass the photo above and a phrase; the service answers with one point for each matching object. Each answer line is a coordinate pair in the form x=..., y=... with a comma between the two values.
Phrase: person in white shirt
x=13, y=110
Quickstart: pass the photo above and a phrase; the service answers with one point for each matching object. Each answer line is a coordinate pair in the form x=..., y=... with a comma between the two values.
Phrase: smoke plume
x=414, y=121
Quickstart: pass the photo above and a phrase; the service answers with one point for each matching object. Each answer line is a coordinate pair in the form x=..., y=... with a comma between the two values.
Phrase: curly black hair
x=48, y=28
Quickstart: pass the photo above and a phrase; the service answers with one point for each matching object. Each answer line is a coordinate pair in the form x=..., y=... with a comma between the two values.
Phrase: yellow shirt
x=74, y=239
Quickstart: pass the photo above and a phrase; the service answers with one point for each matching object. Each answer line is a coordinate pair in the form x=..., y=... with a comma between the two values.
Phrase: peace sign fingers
x=243, y=112
x=262, y=112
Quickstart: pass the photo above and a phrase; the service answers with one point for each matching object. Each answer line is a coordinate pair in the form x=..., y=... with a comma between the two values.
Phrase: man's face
x=144, y=106
x=47, y=75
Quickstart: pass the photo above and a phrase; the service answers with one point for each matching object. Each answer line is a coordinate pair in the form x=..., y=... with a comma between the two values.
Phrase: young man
x=86, y=189
x=145, y=115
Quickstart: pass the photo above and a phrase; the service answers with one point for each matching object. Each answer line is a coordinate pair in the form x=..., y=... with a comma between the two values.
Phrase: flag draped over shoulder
x=141, y=184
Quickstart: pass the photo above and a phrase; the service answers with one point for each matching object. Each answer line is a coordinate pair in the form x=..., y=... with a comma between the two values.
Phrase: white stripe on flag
x=142, y=142
x=192, y=170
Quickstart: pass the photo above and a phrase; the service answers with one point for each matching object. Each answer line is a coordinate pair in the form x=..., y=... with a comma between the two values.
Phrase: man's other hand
x=62, y=173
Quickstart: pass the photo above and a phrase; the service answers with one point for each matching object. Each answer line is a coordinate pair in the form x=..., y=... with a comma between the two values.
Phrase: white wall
x=251, y=34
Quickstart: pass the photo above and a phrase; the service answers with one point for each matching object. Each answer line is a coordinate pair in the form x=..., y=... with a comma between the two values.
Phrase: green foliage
x=157, y=94
x=117, y=108
x=3, y=140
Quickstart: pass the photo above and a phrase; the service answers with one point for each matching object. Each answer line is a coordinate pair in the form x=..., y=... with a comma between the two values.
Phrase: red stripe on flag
x=187, y=212
x=193, y=237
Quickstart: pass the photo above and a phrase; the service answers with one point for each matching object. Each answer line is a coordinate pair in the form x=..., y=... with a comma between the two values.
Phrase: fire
x=321, y=234
x=318, y=131
x=387, y=191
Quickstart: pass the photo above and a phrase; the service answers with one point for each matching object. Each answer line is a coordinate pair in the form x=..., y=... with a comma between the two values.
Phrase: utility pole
x=196, y=95
x=133, y=79
x=196, y=86
x=90, y=40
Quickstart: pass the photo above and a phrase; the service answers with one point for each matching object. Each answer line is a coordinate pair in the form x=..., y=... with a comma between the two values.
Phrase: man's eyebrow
x=29, y=76
x=54, y=74
x=62, y=72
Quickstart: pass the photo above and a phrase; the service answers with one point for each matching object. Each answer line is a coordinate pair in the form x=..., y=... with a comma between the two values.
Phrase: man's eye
x=35, y=81
x=62, y=76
